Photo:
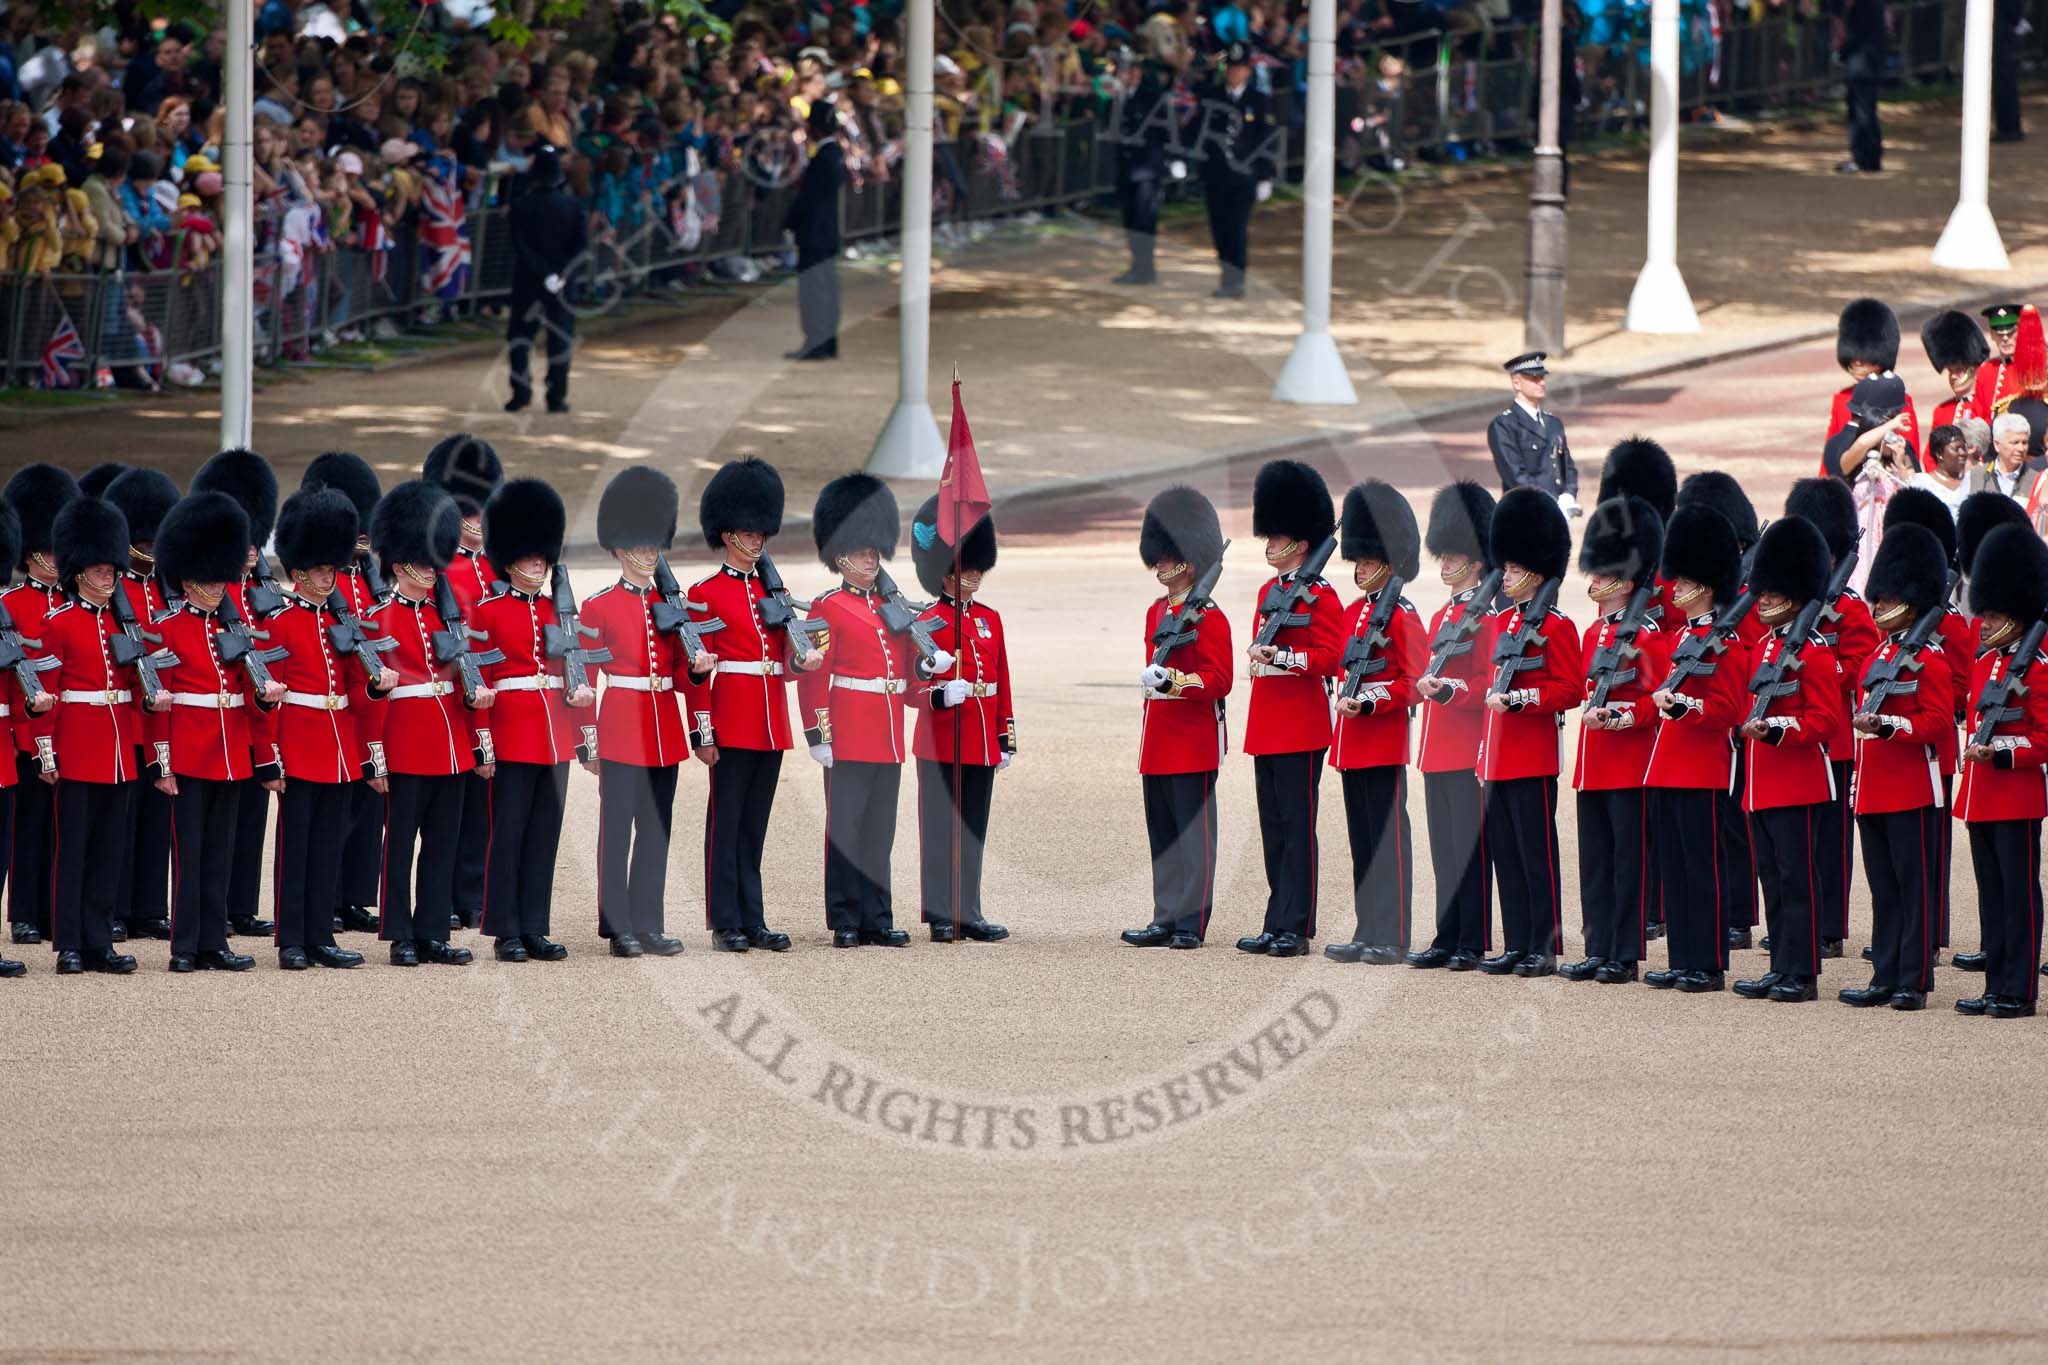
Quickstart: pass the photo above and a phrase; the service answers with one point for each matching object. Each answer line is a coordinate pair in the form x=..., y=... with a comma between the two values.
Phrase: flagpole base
x=909, y=446
x=1971, y=240
x=1314, y=374
x=1660, y=302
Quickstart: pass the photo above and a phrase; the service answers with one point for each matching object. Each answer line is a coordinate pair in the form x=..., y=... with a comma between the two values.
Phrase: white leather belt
x=634, y=683
x=537, y=682
x=319, y=701
x=888, y=687
x=440, y=687
x=112, y=696
x=760, y=668
x=211, y=701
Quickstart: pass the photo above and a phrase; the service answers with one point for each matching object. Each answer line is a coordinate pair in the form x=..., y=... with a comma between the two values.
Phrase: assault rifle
x=564, y=639
x=1509, y=649
x=2000, y=700
x=16, y=660
x=671, y=615
x=1286, y=604
x=901, y=617
x=1888, y=678
x=1365, y=652
x=1454, y=638
x=131, y=648
x=373, y=579
x=1614, y=662
x=265, y=598
x=455, y=643
x=779, y=611
x=1177, y=627
x=348, y=635
x=238, y=643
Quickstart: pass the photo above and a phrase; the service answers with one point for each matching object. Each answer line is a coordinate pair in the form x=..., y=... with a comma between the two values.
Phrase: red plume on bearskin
x=2030, y=353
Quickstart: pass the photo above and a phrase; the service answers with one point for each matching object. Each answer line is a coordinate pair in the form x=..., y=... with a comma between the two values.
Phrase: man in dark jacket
x=1144, y=111
x=1863, y=57
x=549, y=232
x=1236, y=131
x=814, y=222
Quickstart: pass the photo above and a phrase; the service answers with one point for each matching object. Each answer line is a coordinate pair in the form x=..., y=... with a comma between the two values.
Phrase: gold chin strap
x=1994, y=638
x=640, y=564
x=1687, y=599
x=1166, y=576
x=733, y=542
x=195, y=596
x=1884, y=619
x=473, y=526
x=1613, y=589
x=39, y=560
x=412, y=572
x=1511, y=586
x=1372, y=584
x=1770, y=616
x=136, y=552
x=1275, y=556
x=529, y=581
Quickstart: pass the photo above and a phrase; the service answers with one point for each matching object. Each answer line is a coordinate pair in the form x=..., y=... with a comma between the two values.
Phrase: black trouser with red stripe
x=313, y=822
x=940, y=901
x=1180, y=826
x=421, y=814
x=362, y=855
x=1382, y=853
x=1614, y=871
x=1794, y=859
x=526, y=805
x=1521, y=839
x=91, y=824
x=636, y=811
x=245, y=869
x=206, y=842
x=1737, y=860
x=1901, y=858
x=735, y=835
x=1685, y=839
x=1835, y=852
x=2007, y=857
x=31, y=878
x=1948, y=857
x=860, y=832
x=1455, y=810
x=149, y=889
x=472, y=849
x=1290, y=793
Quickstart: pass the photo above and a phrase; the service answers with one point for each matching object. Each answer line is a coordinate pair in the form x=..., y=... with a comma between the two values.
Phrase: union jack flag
x=60, y=353
x=376, y=241
x=444, y=230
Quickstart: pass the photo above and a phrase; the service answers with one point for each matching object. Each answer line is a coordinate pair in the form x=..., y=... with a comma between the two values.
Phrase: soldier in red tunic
x=1370, y=747
x=1453, y=688
x=1905, y=701
x=37, y=493
x=968, y=711
x=1958, y=352
x=1536, y=676
x=1288, y=729
x=13, y=706
x=1789, y=785
x=1181, y=736
x=1867, y=343
x=740, y=714
x=144, y=497
x=1623, y=546
x=853, y=709
x=1995, y=375
x=641, y=740
x=2005, y=793
x=1638, y=467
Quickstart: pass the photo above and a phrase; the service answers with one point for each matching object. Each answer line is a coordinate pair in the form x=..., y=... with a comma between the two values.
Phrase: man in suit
x=2009, y=472
x=1236, y=131
x=813, y=222
x=1528, y=444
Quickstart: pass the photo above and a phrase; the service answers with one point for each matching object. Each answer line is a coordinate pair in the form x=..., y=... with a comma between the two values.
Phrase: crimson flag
x=963, y=493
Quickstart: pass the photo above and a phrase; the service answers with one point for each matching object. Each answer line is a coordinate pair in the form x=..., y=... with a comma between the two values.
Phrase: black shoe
x=1765, y=943
x=403, y=954
x=1463, y=961
x=182, y=962
x=1869, y=952
x=1831, y=947
x=1228, y=291
x=2011, y=1007
x=341, y=959
x=2008, y=137
x=250, y=927
x=1136, y=276
x=1614, y=973
x=509, y=950
x=334, y=922
x=26, y=933
x=1969, y=962
x=728, y=941
x=1794, y=989
x=768, y=940
x=1974, y=1005
x=558, y=406
x=1758, y=988
x=9, y=967
x=120, y=964
x=945, y=933
x=1502, y=964
x=542, y=949
x=69, y=963
x=659, y=945
x=434, y=950
x=1863, y=997
x=1582, y=970
x=1345, y=952
x=1652, y=932
x=293, y=960
x=1699, y=983
x=1850, y=168
x=1384, y=954
x=1151, y=936
x=456, y=921
x=1257, y=943
x=357, y=919
x=1665, y=979
x=2044, y=969
x=1738, y=938
x=1537, y=964
x=224, y=960
x=625, y=945
x=1182, y=938
x=885, y=938
x=846, y=938
x=159, y=929
x=1909, y=1000
x=981, y=931
x=1288, y=945
x=518, y=402
x=1430, y=958
x=118, y=931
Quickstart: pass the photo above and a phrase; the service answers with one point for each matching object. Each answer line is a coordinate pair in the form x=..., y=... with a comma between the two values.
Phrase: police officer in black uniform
x=1528, y=444
x=1144, y=132
x=548, y=233
x=1863, y=60
x=1235, y=130
x=813, y=221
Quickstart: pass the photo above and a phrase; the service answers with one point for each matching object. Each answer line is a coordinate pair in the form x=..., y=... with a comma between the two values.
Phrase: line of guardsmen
x=413, y=689
x=1744, y=716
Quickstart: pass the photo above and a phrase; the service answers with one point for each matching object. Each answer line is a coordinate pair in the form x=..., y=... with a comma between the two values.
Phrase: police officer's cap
x=1529, y=363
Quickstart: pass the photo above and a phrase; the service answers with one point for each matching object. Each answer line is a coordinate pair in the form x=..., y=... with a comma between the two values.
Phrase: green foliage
x=513, y=21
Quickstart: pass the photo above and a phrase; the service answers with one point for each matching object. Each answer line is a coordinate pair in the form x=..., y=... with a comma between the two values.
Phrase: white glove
x=1568, y=504
x=1177, y=168
x=1154, y=678
x=956, y=690
x=1263, y=191
x=553, y=284
x=941, y=661
x=1005, y=762
x=823, y=753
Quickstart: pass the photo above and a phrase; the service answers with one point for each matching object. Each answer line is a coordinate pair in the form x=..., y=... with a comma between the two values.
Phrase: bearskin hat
x=1379, y=524
x=1290, y=499
x=248, y=478
x=524, y=517
x=1699, y=544
x=933, y=557
x=93, y=482
x=1831, y=507
x=1792, y=560
x=1460, y=517
x=1625, y=539
x=1911, y=566
x=855, y=512
x=1980, y=515
x=90, y=531
x=744, y=495
x=1918, y=507
x=2029, y=353
x=1951, y=338
x=204, y=539
x=1181, y=523
x=1529, y=529
x=638, y=508
x=467, y=468
x=1868, y=330
x=1639, y=468
x=349, y=475
x=1712, y=488
x=2010, y=576
x=317, y=525
x=416, y=523
x=144, y=496
x=10, y=543
x=37, y=493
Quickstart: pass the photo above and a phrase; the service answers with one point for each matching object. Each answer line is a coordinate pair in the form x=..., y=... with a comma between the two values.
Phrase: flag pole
x=959, y=655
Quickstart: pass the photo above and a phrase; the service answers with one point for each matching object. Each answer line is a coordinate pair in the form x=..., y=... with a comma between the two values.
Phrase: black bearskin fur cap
x=416, y=523
x=1717, y=490
x=638, y=508
x=93, y=482
x=1638, y=468
x=204, y=539
x=1625, y=539
x=1699, y=544
x=317, y=525
x=37, y=493
x=1951, y=338
x=1529, y=529
x=1868, y=330
x=744, y=495
x=1181, y=523
x=248, y=478
x=1918, y=507
x=1379, y=524
x=1460, y=516
x=933, y=557
x=2011, y=574
x=1980, y=515
x=1290, y=499
x=145, y=497
x=1831, y=507
x=90, y=531
x=855, y=512
x=524, y=517
x=1792, y=560
x=349, y=475
x=467, y=468
x=1911, y=567
x=10, y=543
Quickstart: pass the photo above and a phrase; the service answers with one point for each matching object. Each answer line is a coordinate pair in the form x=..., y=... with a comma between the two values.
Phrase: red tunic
x=988, y=719
x=638, y=722
x=1957, y=410
x=425, y=733
x=1696, y=749
x=1794, y=771
x=745, y=703
x=1853, y=637
x=1453, y=722
x=207, y=727
x=1994, y=381
x=1529, y=742
x=2018, y=792
x=530, y=722
x=855, y=701
x=1958, y=636
x=316, y=725
x=1901, y=769
x=1181, y=729
x=94, y=726
x=1378, y=737
x=1614, y=760
x=1838, y=417
x=28, y=602
x=1290, y=706
x=473, y=579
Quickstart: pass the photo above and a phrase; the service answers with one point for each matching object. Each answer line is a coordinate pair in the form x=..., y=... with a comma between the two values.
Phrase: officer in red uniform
x=144, y=497
x=359, y=583
x=1289, y=727
x=1958, y=353
x=1693, y=759
x=1181, y=734
x=37, y=493
x=90, y=754
x=13, y=706
x=1789, y=785
x=1995, y=375
x=1638, y=467
x=2004, y=794
x=641, y=742
x=853, y=709
x=1867, y=343
x=420, y=732
x=1536, y=676
x=467, y=467
x=1453, y=689
x=1623, y=546
x=968, y=712
x=202, y=759
x=1370, y=747
x=317, y=534
x=536, y=725
x=740, y=714
x=1901, y=803
x=248, y=478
